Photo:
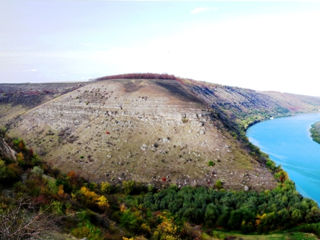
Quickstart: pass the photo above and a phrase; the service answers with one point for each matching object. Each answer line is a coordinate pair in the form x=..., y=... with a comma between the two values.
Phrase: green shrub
x=37, y=171
x=218, y=184
x=128, y=186
x=105, y=187
x=52, y=186
x=87, y=230
x=130, y=221
x=57, y=207
x=271, y=165
x=211, y=163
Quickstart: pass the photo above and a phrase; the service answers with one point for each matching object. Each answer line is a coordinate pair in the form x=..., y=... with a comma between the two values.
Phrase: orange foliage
x=61, y=191
x=71, y=174
x=21, y=145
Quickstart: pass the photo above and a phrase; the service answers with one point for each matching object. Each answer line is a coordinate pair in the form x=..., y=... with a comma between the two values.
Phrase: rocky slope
x=155, y=130
x=16, y=99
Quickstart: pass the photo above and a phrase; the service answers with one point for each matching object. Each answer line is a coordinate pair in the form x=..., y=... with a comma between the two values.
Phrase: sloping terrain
x=242, y=107
x=16, y=99
x=155, y=131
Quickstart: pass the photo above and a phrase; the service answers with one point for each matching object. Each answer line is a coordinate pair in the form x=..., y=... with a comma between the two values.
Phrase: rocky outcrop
x=6, y=151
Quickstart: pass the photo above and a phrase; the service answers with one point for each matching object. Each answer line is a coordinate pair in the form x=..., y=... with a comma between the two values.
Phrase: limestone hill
x=155, y=131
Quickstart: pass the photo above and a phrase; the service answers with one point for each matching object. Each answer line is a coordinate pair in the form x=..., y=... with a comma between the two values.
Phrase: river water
x=289, y=144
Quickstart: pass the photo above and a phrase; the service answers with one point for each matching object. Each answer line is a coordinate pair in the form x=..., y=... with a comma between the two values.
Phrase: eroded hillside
x=146, y=130
x=239, y=107
x=16, y=99
x=156, y=131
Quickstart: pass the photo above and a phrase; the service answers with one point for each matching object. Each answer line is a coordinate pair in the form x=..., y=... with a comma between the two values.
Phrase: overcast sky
x=264, y=45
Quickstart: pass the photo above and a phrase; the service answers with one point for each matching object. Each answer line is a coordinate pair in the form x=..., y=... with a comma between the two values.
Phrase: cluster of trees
x=86, y=209
x=277, y=209
x=315, y=132
x=140, y=76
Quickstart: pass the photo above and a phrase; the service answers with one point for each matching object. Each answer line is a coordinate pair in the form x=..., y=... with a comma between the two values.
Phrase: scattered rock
x=144, y=147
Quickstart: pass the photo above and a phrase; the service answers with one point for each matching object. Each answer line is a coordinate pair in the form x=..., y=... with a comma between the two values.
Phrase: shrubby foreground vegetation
x=37, y=202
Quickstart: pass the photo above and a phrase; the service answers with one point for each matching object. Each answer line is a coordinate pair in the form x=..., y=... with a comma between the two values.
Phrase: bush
x=87, y=230
x=218, y=184
x=130, y=221
x=52, y=186
x=92, y=198
x=37, y=171
x=211, y=163
x=105, y=187
x=128, y=186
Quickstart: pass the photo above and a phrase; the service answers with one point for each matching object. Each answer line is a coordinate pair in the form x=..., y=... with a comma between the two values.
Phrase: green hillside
x=38, y=202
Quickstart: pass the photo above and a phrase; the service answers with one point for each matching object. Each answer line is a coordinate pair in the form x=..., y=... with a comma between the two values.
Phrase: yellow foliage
x=145, y=227
x=169, y=237
x=259, y=218
x=20, y=157
x=167, y=226
x=166, y=229
x=134, y=238
x=101, y=201
x=105, y=187
x=89, y=194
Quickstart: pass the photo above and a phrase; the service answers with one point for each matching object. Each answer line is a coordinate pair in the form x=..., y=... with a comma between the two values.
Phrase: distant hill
x=15, y=99
x=150, y=129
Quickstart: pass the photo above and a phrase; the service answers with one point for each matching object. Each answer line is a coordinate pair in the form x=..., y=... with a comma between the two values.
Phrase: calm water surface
x=289, y=144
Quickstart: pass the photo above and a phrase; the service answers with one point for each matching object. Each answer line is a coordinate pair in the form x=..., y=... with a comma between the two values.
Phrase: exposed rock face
x=146, y=130
x=6, y=151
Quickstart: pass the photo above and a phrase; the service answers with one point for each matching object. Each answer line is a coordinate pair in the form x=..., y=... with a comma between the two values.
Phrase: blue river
x=288, y=142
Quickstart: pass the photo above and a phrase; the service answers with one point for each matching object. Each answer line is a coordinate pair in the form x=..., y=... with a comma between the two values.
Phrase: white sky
x=267, y=46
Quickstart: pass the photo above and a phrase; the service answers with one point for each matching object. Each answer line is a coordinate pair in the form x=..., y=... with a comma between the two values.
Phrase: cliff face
x=158, y=131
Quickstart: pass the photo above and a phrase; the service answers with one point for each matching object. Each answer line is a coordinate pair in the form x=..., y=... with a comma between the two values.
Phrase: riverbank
x=315, y=132
x=288, y=143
